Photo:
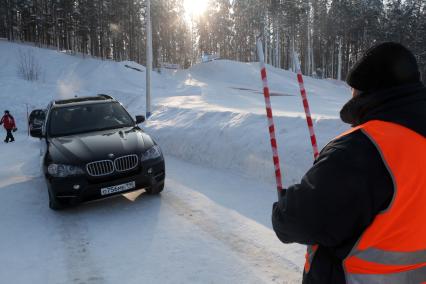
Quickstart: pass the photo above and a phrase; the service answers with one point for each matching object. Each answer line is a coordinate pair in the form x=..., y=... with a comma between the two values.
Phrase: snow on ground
x=212, y=222
x=211, y=110
x=191, y=234
x=217, y=110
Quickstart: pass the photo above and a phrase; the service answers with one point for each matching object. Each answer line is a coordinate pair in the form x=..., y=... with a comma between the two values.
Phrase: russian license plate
x=118, y=188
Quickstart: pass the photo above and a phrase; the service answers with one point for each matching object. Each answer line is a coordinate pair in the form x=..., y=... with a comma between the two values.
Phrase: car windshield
x=87, y=118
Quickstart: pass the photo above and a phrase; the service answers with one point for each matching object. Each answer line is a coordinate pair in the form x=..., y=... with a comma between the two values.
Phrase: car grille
x=100, y=168
x=126, y=163
x=107, y=167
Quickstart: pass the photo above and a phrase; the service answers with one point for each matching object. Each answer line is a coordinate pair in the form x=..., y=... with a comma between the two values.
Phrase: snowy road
x=195, y=232
x=210, y=225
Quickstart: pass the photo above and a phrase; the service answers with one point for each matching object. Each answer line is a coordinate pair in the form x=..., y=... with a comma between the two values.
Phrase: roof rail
x=100, y=97
x=107, y=97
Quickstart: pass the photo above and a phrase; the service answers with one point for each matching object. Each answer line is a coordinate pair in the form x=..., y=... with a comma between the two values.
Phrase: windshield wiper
x=88, y=131
x=113, y=127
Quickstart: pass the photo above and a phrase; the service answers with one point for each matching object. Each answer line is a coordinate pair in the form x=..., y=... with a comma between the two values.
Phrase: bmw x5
x=92, y=148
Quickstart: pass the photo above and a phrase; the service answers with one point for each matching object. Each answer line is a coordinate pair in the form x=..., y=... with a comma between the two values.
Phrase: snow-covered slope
x=216, y=116
x=211, y=224
x=211, y=114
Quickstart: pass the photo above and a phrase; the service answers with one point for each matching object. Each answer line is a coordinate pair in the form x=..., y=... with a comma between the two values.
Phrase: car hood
x=95, y=146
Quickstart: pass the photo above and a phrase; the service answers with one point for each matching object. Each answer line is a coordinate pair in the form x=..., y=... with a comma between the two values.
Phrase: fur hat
x=383, y=66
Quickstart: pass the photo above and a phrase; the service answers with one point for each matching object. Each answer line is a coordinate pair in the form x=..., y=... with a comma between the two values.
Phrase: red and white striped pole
x=307, y=109
x=270, y=117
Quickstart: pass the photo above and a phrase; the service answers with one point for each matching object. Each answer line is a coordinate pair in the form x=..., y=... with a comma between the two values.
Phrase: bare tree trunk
x=293, y=67
x=277, y=45
x=332, y=60
x=308, y=57
x=266, y=39
x=339, y=67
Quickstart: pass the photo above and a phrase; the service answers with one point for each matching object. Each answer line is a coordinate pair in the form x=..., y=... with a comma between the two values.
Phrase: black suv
x=92, y=148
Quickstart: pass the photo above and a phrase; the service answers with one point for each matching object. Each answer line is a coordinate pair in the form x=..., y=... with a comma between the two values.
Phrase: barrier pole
x=269, y=115
x=306, y=107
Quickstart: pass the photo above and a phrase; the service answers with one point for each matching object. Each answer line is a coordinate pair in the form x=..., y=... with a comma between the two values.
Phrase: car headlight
x=152, y=153
x=58, y=170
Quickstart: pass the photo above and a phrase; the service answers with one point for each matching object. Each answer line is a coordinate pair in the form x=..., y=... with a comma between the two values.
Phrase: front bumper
x=89, y=188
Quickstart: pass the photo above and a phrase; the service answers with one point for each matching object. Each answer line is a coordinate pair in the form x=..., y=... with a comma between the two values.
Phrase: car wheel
x=156, y=189
x=54, y=203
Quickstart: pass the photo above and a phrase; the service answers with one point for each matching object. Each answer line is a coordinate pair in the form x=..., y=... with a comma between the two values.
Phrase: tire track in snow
x=71, y=229
x=81, y=267
x=254, y=243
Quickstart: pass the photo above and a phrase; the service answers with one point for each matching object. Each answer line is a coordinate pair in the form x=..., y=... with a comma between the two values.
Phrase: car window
x=86, y=118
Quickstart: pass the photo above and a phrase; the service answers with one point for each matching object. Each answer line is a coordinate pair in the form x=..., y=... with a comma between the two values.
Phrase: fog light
x=150, y=171
x=76, y=186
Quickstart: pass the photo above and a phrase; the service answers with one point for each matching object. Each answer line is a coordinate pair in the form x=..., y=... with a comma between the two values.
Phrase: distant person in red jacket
x=9, y=124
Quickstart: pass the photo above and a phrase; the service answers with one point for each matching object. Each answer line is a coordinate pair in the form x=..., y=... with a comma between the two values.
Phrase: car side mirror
x=37, y=114
x=140, y=119
x=36, y=132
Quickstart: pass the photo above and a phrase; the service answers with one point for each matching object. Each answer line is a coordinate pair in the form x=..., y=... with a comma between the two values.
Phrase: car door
x=44, y=142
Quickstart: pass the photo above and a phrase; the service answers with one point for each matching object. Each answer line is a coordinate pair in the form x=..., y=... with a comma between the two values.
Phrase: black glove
x=280, y=197
x=15, y=129
x=282, y=194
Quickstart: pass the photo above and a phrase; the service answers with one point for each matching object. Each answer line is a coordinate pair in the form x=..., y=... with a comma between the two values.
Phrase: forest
x=327, y=35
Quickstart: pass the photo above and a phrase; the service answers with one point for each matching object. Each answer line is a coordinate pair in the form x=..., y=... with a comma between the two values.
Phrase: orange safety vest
x=392, y=250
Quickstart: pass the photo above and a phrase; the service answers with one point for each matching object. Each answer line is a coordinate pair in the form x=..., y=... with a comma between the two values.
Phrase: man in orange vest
x=361, y=208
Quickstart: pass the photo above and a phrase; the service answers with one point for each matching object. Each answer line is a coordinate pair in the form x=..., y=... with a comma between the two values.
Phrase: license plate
x=118, y=188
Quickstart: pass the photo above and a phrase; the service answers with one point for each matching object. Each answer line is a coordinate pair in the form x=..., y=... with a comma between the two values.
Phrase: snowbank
x=238, y=141
x=211, y=114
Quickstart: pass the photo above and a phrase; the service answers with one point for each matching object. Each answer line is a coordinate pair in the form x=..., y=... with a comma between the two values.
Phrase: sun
x=195, y=8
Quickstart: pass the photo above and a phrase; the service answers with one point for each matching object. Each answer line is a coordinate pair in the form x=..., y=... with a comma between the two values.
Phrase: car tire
x=54, y=203
x=156, y=189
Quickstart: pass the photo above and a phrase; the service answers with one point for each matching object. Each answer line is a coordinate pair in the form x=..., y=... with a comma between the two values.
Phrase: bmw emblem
x=111, y=156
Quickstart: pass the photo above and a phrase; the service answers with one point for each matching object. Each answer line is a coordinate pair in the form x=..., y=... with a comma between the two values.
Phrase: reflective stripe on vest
x=392, y=249
x=309, y=257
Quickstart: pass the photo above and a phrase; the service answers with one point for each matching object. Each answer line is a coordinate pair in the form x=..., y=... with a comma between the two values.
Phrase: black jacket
x=348, y=184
